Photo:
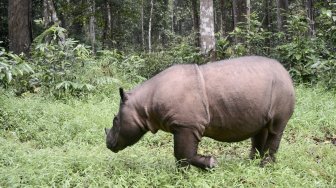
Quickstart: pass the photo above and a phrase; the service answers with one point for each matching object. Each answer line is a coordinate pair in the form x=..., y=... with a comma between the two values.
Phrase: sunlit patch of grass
x=46, y=143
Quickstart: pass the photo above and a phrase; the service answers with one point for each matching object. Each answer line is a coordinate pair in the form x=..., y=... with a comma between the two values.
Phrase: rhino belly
x=232, y=133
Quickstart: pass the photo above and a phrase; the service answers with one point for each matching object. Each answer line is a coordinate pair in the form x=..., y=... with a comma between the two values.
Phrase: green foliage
x=115, y=64
x=246, y=39
x=14, y=69
x=60, y=61
x=310, y=59
x=327, y=24
x=181, y=51
x=73, y=88
x=52, y=143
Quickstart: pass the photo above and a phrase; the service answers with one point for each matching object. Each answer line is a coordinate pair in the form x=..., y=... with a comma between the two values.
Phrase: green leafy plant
x=67, y=87
x=60, y=61
x=115, y=64
x=246, y=39
x=14, y=69
x=181, y=51
x=309, y=59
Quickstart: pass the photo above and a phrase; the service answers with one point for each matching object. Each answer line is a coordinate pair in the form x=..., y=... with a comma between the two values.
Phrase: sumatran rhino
x=229, y=101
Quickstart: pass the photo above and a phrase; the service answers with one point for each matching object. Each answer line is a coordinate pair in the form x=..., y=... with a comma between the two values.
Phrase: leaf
x=297, y=56
x=27, y=68
x=58, y=86
x=17, y=71
x=89, y=87
x=76, y=85
x=315, y=64
x=328, y=13
x=9, y=76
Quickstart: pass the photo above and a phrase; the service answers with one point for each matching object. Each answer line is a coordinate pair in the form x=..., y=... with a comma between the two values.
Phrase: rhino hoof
x=268, y=160
x=213, y=162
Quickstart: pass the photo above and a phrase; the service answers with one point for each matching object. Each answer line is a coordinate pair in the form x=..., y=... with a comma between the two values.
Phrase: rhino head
x=124, y=131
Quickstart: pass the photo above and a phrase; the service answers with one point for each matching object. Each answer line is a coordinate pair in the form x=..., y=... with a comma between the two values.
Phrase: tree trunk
x=248, y=13
x=238, y=11
x=49, y=13
x=142, y=26
x=179, y=21
x=310, y=17
x=196, y=22
x=107, y=25
x=234, y=14
x=3, y=23
x=266, y=22
x=92, y=25
x=165, y=25
x=19, y=25
x=223, y=18
x=207, y=27
x=150, y=28
x=172, y=15
x=282, y=7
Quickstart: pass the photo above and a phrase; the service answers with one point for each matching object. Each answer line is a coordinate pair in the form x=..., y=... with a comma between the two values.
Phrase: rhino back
x=242, y=96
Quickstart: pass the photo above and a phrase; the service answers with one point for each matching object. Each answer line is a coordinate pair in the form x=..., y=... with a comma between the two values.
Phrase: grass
x=53, y=143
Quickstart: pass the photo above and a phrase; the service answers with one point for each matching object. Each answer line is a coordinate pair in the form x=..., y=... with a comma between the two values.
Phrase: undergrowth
x=61, y=143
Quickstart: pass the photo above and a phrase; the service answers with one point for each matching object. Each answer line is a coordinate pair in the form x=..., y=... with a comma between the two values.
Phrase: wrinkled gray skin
x=229, y=101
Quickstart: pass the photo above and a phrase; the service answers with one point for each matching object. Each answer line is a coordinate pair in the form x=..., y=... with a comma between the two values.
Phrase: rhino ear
x=123, y=95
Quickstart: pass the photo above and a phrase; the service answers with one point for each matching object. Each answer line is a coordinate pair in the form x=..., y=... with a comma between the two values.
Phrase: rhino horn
x=107, y=130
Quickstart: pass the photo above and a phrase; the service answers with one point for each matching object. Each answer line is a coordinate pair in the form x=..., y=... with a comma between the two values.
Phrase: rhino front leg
x=185, y=150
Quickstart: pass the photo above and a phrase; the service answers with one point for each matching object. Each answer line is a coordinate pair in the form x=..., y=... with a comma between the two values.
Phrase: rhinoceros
x=228, y=101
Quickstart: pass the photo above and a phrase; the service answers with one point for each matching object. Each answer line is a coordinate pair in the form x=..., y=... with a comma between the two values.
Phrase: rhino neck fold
x=140, y=101
x=202, y=91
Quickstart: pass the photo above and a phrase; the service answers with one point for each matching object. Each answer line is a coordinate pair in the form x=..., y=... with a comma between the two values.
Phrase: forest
x=62, y=62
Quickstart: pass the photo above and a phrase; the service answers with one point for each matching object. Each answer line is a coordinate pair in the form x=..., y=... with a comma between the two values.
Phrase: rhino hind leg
x=185, y=150
x=274, y=136
x=258, y=144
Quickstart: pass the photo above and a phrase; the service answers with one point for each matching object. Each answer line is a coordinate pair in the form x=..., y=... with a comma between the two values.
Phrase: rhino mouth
x=111, y=143
x=113, y=146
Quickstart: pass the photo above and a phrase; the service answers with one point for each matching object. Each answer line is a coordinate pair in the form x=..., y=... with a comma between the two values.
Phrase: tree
x=196, y=25
x=207, y=35
x=19, y=25
x=282, y=7
x=310, y=17
x=248, y=13
x=107, y=24
x=142, y=25
x=49, y=13
x=150, y=28
x=238, y=11
x=267, y=20
x=92, y=25
x=223, y=17
x=4, y=23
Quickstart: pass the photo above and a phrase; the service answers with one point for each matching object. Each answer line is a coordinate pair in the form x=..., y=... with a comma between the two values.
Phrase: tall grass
x=52, y=143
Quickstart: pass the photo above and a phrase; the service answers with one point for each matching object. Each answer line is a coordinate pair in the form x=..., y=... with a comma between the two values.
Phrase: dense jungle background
x=62, y=62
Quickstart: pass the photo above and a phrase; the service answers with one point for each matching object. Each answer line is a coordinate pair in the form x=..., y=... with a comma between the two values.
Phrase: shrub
x=15, y=71
x=244, y=40
x=309, y=59
x=179, y=53
x=60, y=61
